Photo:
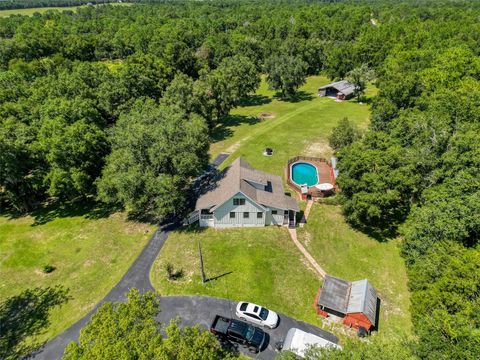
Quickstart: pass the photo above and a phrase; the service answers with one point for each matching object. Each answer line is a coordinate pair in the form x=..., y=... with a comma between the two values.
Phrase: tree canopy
x=155, y=150
x=129, y=330
x=286, y=73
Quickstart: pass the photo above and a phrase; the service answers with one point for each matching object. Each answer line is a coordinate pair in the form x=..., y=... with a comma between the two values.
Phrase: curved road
x=137, y=276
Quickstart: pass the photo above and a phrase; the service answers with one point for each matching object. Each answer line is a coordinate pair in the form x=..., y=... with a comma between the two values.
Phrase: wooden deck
x=325, y=175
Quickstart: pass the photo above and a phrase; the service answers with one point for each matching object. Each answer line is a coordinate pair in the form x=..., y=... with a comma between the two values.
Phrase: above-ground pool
x=304, y=173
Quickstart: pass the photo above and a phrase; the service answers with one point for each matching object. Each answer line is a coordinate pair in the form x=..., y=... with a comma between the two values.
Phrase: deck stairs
x=193, y=217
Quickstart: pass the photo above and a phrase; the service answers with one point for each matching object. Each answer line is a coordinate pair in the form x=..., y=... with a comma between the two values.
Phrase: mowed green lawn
x=261, y=265
x=298, y=128
x=41, y=10
x=90, y=253
x=349, y=254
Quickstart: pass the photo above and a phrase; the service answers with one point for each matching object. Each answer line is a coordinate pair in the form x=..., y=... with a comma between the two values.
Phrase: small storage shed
x=342, y=90
x=355, y=302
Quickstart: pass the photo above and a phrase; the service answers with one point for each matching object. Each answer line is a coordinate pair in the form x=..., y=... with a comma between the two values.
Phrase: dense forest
x=118, y=104
x=24, y=4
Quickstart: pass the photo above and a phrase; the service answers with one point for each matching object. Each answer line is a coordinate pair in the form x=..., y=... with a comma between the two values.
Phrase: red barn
x=355, y=302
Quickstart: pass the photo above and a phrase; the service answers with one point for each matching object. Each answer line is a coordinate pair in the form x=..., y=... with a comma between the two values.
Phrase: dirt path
x=306, y=213
x=311, y=260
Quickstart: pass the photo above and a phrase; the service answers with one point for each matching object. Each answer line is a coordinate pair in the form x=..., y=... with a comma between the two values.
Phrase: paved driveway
x=201, y=310
x=137, y=276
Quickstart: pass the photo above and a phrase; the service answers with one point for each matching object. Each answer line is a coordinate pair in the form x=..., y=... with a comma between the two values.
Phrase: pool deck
x=324, y=171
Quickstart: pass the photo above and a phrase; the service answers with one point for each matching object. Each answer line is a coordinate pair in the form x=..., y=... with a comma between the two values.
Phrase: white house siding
x=206, y=222
x=222, y=214
x=275, y=219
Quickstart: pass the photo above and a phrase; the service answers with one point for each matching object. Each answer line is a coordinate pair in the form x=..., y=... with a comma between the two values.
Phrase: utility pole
x=202, y=271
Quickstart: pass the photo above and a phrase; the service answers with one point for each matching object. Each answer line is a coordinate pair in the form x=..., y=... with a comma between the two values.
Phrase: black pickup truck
x=238, y=331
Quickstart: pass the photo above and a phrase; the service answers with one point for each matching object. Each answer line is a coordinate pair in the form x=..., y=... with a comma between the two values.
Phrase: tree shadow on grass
x=192, y=229
x=297, y=97
x=254, y=100
x=363, y=100
x=24, y=316
x=46, y=213
x=223, y=130
x=378, y=234
x=90, y=210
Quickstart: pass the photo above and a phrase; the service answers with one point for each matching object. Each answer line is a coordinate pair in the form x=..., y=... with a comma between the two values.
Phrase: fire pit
x=268, y=152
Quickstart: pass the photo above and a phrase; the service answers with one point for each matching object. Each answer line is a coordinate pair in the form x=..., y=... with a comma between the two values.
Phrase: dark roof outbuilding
x=343, y=86
x=349, y=297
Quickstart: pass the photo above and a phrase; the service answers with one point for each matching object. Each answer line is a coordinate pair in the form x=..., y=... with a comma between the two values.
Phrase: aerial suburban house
x=342, y=90
x=355, y=302
x=245, y=197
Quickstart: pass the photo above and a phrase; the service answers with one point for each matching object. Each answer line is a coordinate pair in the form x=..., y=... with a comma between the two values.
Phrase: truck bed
x=220, y=324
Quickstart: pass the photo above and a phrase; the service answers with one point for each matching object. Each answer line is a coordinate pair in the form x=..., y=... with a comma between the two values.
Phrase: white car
x=257, y=314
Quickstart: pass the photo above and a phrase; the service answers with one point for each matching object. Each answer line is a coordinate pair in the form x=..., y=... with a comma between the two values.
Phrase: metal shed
x=342, y=90
x=355, y=302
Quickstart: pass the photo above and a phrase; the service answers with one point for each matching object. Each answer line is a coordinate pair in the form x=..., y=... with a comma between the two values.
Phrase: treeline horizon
x=28, y=4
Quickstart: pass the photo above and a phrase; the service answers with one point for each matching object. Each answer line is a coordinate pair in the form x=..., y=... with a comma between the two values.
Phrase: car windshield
x=264, y=314
x=249, y=332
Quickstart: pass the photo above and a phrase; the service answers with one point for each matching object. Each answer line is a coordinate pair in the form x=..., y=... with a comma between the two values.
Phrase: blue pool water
x=304, y=173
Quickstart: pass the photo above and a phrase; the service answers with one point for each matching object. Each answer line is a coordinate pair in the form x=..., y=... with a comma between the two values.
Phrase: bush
x=47, y=269
x=331, y=200
x=171, y=273
x=344, y=134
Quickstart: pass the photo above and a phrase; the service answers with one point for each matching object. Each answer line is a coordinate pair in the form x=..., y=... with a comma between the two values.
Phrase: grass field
x=90, y=250
x=41, y=10
x=298, y=128
x=266, y=266
x=352, y=255
x=260, y=265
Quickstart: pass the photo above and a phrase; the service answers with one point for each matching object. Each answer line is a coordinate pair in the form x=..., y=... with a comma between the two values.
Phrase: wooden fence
x=312, y=191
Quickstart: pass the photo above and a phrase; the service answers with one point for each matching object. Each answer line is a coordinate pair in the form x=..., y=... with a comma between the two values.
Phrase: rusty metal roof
x=334, y=294
x=349, y=297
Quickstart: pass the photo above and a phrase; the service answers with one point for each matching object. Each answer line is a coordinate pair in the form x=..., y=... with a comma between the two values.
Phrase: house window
x=232, y=215
x=285, y=212
x=246, y=215
x=238, y=201
x=259, y=215
x=274, y=212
